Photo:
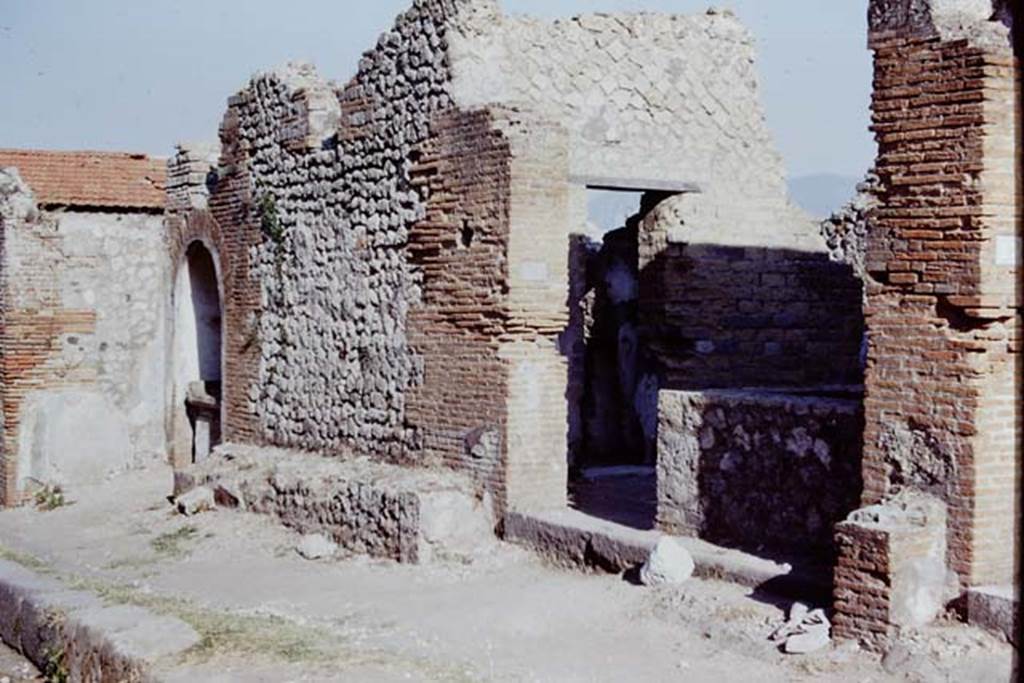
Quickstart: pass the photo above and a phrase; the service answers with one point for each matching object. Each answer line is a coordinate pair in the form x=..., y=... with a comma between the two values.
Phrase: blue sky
x=140, y=75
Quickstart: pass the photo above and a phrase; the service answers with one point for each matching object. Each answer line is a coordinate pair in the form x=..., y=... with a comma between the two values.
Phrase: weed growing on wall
x=270, y=222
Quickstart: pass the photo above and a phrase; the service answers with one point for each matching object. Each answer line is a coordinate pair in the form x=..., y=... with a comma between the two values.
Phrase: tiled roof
x=90, y=179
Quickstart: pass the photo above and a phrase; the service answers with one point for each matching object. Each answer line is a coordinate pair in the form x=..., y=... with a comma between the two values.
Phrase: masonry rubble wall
x=755, y=469
x=846, y=230
x=385, y=241
x=408, y=515
x=83, y=342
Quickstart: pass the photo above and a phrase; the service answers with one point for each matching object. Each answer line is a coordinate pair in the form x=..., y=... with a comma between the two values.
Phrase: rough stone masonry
x=382, y=272
x=394, y=251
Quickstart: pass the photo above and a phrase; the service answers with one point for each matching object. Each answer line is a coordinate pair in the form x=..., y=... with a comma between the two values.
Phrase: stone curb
x=576, y=540
x=76, y=633
x=996, y=609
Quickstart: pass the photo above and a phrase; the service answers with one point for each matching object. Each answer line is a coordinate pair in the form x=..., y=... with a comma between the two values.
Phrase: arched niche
x=197, y=354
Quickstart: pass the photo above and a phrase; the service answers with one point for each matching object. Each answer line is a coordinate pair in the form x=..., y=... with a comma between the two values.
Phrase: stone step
x=571, y=538
x=996, y=609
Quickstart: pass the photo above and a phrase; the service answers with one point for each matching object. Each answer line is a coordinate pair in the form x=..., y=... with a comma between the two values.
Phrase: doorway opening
x=611, y=425
x=198, y=356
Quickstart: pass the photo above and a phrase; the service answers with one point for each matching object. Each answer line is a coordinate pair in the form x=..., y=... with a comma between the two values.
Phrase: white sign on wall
x=1008, y=250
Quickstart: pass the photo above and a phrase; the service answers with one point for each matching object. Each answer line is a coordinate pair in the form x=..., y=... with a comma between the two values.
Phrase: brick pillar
x=540, y=222
x=943, y=309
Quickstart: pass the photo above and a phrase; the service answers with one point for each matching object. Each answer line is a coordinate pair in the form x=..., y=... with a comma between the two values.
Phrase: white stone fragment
x=316, y=547
x=813, y=638
x=199, y=499
x=668, y=564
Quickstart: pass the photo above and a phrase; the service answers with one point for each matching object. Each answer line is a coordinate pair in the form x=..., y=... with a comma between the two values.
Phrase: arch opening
x=198, y=373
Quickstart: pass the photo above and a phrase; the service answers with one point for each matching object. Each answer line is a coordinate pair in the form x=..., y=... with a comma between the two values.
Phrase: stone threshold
x=995, y=609
x=573, y=539
x=74, y=635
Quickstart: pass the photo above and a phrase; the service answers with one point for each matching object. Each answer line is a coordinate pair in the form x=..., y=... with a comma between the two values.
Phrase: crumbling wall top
x=982, y=22
x=17, y=203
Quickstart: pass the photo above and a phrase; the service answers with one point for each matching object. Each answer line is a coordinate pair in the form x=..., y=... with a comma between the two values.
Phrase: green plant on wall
x=270, y=222
x=55, y=668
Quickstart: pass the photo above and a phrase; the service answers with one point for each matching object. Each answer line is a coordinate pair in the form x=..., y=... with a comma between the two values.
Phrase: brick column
x=943, y=308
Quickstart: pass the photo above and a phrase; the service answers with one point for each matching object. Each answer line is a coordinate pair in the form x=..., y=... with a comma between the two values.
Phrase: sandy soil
x=267, y=614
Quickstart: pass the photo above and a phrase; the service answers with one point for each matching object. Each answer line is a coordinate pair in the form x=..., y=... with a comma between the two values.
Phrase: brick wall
x=459, y=411
x=542, y=203
x=943, y=306
x=771, y=312
x=943, y=319
x=492, y=259
x=891, y=569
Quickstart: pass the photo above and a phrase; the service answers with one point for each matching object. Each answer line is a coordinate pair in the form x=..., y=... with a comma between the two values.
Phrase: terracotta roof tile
x=90, y=179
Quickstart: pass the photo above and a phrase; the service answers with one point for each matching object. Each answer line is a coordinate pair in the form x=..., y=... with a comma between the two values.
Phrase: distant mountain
x=823, y=193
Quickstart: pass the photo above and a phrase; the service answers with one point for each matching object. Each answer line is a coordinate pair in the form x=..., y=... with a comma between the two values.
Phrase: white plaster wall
x=106, y=408
x=72, y=437
x=186, y=351
x=198, y=318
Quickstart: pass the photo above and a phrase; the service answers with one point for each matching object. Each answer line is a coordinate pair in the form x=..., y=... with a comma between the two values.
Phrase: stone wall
x=943, y=259
x=309, y=210
x=84, y=335
x=846, y=230
x=757, y=470
x=394, y=252
x=358, y=231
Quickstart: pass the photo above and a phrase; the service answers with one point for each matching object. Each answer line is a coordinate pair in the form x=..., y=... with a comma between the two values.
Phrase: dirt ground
x=266, y=614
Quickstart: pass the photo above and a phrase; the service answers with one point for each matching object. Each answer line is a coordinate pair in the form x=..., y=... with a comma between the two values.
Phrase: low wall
x=757, y=469
x=371, y=508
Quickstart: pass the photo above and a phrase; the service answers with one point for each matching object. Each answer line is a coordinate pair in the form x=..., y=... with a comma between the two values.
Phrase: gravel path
x=268, y=615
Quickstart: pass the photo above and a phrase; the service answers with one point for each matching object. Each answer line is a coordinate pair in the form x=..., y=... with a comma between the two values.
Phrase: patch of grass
x=228, y=632
x=236, y=634
x=25, y=560
x=270, y=222
x=50, y=497
x=55, y=666
x=173, y=544
x=131, y=563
